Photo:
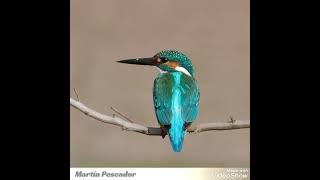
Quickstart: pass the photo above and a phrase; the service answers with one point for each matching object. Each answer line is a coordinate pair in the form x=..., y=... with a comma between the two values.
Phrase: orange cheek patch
x=172, y=64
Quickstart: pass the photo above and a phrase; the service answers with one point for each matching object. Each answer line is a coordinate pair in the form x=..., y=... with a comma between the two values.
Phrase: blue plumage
x=176, y=101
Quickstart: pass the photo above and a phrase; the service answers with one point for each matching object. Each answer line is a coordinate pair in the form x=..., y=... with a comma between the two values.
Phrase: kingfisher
x=175, y=93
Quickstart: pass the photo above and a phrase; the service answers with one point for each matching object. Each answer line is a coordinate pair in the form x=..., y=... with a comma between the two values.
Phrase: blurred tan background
x=213, y=33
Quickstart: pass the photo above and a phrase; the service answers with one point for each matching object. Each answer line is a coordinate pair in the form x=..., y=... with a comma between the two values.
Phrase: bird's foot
x=186, y=125
x=164, y=132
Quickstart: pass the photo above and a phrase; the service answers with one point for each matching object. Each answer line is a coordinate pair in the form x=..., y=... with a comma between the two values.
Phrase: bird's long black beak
x=139, y=61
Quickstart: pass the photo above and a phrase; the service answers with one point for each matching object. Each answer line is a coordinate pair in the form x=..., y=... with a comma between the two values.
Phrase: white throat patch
x=183, y=70
x=178, y=68
x=161, y=71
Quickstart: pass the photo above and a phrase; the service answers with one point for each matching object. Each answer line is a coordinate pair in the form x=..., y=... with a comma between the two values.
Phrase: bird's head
x=167, y=60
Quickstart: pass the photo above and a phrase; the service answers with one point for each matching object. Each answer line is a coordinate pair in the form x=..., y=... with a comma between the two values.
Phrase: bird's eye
x=163, y=59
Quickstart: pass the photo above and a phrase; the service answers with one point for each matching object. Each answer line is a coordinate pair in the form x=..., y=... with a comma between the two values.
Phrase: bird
x=176, y=93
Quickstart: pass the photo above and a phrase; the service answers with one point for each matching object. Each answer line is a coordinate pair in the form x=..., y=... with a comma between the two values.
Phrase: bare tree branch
x=121, y=114
x=155, y=131
x=108, y=119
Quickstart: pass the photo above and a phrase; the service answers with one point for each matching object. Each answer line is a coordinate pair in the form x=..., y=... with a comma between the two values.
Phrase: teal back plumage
x=176, y=102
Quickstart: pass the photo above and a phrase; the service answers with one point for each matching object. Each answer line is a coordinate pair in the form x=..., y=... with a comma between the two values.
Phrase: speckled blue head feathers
x=175, y=56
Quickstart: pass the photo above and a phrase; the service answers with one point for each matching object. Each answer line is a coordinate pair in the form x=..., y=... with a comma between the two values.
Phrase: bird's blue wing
x=191, y=97
x=163, y=94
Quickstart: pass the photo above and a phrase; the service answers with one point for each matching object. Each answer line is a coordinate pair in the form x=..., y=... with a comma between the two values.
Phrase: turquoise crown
x=177, y=56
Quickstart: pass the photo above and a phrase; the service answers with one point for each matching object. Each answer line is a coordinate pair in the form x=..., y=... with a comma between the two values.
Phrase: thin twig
x=232, y=120
x=75, y=91
x=121, y=114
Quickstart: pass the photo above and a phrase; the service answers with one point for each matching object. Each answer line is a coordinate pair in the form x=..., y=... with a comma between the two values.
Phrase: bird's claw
x=163, y=132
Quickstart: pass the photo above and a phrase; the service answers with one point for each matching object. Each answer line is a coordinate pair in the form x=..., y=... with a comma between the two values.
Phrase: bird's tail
x=176, y=135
